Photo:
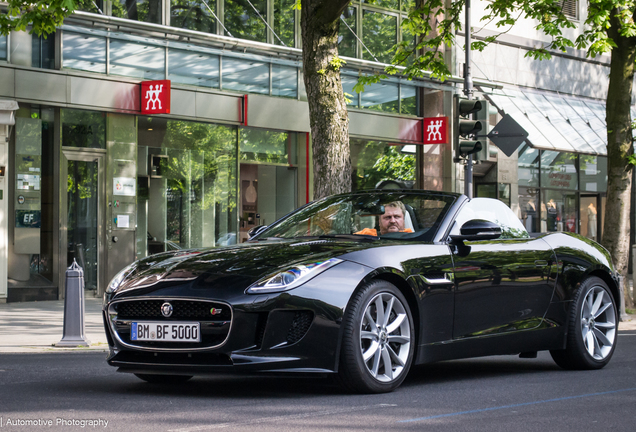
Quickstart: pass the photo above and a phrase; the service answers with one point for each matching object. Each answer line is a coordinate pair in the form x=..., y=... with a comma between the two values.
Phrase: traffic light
x=466, y=130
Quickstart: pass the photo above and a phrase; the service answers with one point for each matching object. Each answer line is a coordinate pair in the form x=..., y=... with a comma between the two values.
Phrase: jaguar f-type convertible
x=362, y=286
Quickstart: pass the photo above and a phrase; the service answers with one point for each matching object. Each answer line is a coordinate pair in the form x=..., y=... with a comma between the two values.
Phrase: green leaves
x=43, y=16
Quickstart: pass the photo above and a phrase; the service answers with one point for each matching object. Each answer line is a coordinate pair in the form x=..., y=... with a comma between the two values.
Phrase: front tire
x=592, y=329
x=378, y=341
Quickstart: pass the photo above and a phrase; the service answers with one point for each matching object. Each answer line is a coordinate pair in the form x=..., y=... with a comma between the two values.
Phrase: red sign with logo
x=435, y=130
x=155, y=97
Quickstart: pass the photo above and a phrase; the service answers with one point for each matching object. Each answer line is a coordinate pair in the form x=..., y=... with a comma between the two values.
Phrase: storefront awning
x=556, y=122
x=7, y=108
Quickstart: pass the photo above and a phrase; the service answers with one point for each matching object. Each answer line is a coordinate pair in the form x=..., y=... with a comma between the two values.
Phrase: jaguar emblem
x=166, y=310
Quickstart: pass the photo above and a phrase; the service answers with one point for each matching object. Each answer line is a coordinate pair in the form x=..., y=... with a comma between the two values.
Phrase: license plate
x=165, y=332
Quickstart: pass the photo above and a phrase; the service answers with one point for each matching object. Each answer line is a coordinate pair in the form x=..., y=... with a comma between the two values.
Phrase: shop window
x=528, y=166
x=85, y=129
x=83, y=52
x=33, y=228
x=593, y=173
x=529, y=207
x=194, y=68
x=193, y=15
x=3, y=47
x=347, y=41
x=558, y=170
x=243, y=22
x=261, y=145
x=374, y=163
x=558, y=211
x=381, y=96
x=408, y=102
x=284, y=81
x=137, y=60
x=284, y=21
x=43, y=51
x=486, y=190
x=189, y=199
x=246, y=76
x=379, y=32
x=138, y=10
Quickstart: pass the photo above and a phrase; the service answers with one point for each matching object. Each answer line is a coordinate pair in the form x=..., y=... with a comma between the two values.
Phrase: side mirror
x=477, y=229
x=253, y=232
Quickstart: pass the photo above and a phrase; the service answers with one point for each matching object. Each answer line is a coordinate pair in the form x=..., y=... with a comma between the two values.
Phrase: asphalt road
x=487, y=394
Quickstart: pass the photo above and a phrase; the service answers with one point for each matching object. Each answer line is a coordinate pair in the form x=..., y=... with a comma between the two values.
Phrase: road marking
x=515, y=405
x=283, y=418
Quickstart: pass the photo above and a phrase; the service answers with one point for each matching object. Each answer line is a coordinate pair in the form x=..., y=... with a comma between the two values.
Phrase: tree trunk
x=329, y=122
x=619, y=148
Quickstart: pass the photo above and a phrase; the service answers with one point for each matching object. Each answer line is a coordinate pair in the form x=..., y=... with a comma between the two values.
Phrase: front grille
x=215, y=320
x=195, y=310
x=300, y=325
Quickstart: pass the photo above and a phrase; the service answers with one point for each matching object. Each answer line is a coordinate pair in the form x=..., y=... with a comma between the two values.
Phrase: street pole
x=468, y=92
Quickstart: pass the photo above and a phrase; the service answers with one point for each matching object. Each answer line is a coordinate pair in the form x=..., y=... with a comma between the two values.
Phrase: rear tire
x=592, y=329
x=378, y=339
x=163, y=379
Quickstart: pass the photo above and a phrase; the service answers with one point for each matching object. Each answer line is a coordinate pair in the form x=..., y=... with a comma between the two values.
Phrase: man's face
x=392, y=220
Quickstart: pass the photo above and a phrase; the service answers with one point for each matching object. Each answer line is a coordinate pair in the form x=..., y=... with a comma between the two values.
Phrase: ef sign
x=155, y=97
x=435, y=130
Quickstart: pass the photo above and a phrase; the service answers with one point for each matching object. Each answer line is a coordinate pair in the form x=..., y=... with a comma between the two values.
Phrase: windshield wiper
x=358, y=237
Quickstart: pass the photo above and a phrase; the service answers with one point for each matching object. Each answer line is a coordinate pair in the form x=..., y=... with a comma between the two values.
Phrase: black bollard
x=73, y=335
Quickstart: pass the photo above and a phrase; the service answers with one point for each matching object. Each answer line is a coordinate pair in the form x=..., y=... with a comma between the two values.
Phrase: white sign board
x=124, y=186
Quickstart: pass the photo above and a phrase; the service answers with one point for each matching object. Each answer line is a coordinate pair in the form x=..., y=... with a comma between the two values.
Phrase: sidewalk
x=37, y=326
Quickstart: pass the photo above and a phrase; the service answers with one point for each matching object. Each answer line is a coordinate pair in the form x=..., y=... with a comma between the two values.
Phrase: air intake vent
x=300, y=325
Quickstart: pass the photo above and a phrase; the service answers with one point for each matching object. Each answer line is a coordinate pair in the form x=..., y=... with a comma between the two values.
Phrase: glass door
x=81, y=215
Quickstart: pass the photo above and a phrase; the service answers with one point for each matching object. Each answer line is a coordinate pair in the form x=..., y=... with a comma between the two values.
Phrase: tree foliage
x=42, y=16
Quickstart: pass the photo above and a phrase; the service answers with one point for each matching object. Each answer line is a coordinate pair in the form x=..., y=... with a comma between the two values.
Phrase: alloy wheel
x=598, y=323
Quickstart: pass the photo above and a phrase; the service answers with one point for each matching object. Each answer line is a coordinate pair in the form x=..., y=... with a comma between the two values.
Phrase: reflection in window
x=96, y=6
x=379, y=32
x=242, y=20
x=193, y=202
x=3, y=47
x=138, y=10
x=284, y=19
x=381, y=97
x=82, y=52
x=409, y=99
x=43, y=51
x=373, y=162
x=193, y=15
x=259, y=145
x=248, y=76
x=82, y=128
x=347, y=87
x=284, y=81
x=558, y=170
x=528, y=166
x=492, y=211
x=391, y=4
x=194, y=68
x=137, y=60
x=593, y=173
x=346, y=39
x=407, y=5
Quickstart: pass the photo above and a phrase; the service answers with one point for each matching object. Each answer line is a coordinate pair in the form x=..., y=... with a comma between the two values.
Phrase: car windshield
x=397, y=215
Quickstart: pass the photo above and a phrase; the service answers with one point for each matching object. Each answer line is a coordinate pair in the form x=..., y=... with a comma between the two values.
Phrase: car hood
x=236, y=266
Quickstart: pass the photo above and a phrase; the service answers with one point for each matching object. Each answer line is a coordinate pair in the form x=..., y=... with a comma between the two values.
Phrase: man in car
x=392, y=221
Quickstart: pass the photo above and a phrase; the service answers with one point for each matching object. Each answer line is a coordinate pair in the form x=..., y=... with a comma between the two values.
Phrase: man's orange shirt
x=374, y=232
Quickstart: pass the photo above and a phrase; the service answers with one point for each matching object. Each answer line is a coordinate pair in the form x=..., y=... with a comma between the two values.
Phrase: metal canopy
x=556, y=122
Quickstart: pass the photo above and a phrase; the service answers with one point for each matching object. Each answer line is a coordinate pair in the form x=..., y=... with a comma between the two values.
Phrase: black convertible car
x=364, y=285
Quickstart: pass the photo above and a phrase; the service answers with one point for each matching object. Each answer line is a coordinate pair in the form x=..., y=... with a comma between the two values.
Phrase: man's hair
x=398, y=204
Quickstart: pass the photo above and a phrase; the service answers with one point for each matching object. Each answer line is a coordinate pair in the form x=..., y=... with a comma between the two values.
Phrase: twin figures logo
x=155, y=97
x=435, y=130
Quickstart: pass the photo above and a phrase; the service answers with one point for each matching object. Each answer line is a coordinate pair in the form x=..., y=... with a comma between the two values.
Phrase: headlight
x=119, y=277
x=292, y=278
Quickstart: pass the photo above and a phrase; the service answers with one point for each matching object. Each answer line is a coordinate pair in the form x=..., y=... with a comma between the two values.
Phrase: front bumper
x=293, y=331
